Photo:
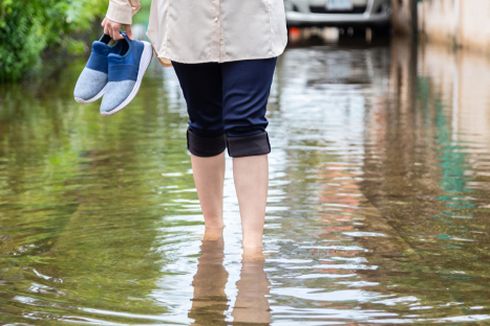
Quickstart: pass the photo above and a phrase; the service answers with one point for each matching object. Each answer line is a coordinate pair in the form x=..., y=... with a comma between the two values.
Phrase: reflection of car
x=338, y=13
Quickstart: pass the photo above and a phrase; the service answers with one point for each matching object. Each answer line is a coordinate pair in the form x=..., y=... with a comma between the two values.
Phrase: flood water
x=378, y=208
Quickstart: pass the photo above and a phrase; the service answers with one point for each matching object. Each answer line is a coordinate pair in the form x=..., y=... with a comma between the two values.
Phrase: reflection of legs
x=201, y=85
x=209, y=301
x=252, y=305
x=246, y=88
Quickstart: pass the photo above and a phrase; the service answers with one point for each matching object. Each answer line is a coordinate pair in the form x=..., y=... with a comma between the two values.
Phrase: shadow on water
x=378, y=203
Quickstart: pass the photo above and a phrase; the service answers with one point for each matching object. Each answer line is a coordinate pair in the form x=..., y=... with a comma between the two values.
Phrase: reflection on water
x=209, y=301
x=378, y=202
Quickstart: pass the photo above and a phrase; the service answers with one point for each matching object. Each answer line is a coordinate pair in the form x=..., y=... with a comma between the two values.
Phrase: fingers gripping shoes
x=91, y=83
x=126, y=70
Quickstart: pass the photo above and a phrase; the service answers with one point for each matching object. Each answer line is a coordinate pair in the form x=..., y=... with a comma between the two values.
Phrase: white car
x=339, y=13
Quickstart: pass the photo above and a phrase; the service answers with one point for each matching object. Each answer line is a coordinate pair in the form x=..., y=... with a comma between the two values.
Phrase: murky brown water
x=379, y=201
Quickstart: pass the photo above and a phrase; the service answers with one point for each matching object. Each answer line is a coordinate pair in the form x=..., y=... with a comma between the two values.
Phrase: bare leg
x=251, y=176
x=208, y=174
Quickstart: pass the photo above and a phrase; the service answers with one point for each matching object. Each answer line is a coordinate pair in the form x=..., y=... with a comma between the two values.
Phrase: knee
x=245, y=143
x=248, y=144
x=247, y=137
x=240, y=141
x=205, y=144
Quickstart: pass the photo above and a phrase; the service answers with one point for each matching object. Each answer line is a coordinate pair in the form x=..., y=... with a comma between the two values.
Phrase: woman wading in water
x=224, y=54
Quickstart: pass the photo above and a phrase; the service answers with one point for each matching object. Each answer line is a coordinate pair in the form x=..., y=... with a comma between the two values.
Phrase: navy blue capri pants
x=227, y=104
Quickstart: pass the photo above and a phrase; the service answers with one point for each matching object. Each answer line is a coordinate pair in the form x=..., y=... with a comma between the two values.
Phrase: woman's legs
x=201, y=85
x=208, y=174
x=251, y=176
x=227, y=106
x=246, y=89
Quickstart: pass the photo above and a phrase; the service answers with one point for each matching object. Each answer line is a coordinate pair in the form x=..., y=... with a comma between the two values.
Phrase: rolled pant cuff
x=205, y=146
x=248, y=145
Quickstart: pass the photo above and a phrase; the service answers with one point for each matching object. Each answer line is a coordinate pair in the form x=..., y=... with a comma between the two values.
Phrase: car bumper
x=314, y=13
x=336, y=20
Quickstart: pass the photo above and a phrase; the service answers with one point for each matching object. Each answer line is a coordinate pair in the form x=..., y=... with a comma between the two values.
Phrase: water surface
x=378, y=208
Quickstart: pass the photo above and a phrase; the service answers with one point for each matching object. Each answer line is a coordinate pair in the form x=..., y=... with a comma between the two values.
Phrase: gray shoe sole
x=93, y=99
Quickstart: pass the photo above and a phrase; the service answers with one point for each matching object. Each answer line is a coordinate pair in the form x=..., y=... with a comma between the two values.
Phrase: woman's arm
x=120, y=14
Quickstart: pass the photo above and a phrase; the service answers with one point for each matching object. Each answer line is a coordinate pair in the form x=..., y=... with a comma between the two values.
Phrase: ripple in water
x=377, y=211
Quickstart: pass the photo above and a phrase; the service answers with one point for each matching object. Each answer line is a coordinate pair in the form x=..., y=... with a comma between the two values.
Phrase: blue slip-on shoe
x=93, y=79
x=126, y=71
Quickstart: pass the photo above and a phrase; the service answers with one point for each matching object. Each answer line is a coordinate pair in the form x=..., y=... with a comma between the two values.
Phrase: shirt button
x=215, y=19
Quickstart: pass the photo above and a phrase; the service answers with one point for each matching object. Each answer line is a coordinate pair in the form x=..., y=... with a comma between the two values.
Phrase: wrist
x=121, y=14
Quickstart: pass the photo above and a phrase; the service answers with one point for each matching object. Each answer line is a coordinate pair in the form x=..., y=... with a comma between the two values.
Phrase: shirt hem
x=168, y=58
x=220, y=61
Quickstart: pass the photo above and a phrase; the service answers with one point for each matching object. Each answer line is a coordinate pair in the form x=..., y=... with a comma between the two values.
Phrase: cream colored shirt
x=196, y=31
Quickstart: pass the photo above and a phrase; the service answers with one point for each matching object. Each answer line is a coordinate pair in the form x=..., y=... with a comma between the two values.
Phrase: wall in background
x=460, y=23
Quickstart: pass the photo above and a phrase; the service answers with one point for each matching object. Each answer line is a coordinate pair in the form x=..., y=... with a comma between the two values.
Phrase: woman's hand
x=113, y=28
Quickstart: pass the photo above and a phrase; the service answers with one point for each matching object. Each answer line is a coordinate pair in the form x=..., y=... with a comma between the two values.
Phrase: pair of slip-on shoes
x=113, y=72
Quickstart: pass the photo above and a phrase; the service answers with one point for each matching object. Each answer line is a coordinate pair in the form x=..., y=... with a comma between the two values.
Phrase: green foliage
x=142, y=16
x=27, y=27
